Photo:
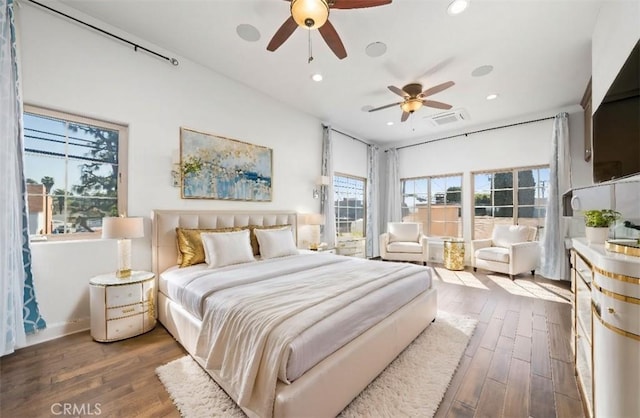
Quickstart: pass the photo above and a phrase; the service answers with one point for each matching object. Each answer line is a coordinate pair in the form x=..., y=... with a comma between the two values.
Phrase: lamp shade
x=122, y=228
x=314, y=219
x=323, y=181
x=310, y=14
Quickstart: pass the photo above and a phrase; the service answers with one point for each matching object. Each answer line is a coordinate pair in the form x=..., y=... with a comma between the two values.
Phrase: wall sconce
x=320, y=184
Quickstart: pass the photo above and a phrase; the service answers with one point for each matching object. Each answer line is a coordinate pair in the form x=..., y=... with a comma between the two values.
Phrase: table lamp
x=123, y=229
x=314, y=220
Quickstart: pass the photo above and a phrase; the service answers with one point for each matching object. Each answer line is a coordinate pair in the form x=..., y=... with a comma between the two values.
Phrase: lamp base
x=123, y=274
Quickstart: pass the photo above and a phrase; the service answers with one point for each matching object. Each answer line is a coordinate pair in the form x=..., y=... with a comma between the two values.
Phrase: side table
x=122, y=307
x=453, y=253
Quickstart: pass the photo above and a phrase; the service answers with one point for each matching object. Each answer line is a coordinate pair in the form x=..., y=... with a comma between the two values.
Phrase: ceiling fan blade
x=332, y=39
x=385, y=107
x=405, y=116
x=437, y=89
x=437, y=105
x=282, y=34
x=398, y=91
x=356, y=4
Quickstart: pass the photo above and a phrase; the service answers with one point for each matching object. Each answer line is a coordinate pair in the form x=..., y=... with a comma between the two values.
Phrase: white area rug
x=412, y=386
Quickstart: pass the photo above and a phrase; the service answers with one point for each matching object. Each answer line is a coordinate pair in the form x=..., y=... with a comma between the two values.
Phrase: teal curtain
x=19, y=304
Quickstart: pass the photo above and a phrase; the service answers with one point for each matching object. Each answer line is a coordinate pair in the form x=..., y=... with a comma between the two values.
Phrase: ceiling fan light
x=411, y=105
x=310, y=14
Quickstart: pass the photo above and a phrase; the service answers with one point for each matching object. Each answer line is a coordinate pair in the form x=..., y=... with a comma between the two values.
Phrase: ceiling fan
x=414, y=98
x=314, y=14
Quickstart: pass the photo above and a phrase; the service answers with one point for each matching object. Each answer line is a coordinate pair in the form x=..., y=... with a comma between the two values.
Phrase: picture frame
x=221, y=168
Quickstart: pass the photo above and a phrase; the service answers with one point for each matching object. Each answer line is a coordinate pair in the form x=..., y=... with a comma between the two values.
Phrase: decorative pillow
x=254, y=241
x=405, y=231
x=276, y=242
x=190, y=248
x=226, y=248
x=505, y=235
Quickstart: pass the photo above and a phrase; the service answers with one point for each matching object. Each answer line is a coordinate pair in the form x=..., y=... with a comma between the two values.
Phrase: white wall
x=71, y=68
x=616, y=32
x=517, y=146
x=349, y=155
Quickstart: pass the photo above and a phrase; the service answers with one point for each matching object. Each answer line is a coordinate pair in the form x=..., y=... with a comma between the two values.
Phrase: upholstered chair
x=511, y=250
x=404, y=241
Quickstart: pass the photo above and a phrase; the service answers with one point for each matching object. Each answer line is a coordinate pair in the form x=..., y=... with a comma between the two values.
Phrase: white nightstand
x=122, y=308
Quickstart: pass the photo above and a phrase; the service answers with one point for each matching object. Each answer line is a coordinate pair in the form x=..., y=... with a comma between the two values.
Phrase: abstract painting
x=215, y=167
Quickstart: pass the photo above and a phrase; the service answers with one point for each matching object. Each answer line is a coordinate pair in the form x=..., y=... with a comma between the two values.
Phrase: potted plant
x=597, y=223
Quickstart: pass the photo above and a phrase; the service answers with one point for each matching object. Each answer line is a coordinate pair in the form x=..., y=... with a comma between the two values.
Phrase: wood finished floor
x=518, y=362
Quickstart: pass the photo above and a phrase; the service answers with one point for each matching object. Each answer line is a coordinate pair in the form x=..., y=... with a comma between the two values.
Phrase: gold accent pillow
x=190, y=247
x=254, y=240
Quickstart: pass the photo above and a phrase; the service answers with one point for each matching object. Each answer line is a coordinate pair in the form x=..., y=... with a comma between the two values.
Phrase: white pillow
x=225, y=248
x=505, y=235
x=275, y=242
x=405, y=231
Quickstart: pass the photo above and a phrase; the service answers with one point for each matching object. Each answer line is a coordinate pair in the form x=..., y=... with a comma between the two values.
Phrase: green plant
x=601, y=218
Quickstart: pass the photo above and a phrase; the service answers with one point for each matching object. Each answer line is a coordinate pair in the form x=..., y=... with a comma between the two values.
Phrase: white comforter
x=252, y=315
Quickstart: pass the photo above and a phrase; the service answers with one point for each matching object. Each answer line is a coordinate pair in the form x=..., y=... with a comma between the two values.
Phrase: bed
x=312, y=375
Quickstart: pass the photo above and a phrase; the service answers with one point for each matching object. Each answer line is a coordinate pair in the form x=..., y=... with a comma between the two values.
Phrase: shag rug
x=413, y=385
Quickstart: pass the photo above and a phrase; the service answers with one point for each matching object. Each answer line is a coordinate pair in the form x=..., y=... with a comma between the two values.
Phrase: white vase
x=596, y=235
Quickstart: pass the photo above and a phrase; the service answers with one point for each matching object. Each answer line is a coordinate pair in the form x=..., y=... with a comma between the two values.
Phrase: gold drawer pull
x=611, y=310
x=128, y=310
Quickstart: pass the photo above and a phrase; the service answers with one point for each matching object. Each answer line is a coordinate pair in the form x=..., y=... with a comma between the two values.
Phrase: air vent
x=448, y=117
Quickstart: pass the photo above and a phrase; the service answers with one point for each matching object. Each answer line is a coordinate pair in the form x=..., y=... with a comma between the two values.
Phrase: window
x=514, y=196
x=436, y=202
x=75, y=172
x=349, y=197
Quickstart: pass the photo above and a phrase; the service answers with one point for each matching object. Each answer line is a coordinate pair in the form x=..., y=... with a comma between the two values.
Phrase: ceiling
x=540, y=52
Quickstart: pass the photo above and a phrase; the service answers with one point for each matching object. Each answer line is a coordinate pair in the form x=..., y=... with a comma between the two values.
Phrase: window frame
x=122, y=176
x=515, y=190
x=364, y=206
x=431, y=195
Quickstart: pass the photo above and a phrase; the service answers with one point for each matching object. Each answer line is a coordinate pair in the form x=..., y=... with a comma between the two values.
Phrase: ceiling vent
x=448, y=117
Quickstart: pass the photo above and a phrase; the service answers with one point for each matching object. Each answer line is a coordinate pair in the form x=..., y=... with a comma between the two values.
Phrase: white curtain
x=19, y=312
x=373, y=155
x=328, y=208
x=554, y=263
x=393, y=212
x=12, y=273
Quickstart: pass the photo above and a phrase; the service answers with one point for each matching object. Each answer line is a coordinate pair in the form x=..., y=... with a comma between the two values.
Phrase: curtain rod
x=352, y=137
x=135, y=46
x=475, y=132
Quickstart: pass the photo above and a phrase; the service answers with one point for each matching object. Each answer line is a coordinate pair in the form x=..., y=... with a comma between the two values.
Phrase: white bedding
x=207, y=292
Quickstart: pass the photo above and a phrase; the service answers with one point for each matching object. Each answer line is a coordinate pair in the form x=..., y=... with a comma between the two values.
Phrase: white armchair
x=404, y=241
x=510, y=250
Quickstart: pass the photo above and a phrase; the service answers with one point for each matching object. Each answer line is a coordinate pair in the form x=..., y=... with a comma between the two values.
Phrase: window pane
x=72, y=171
x=436, y=203
x=349, y=194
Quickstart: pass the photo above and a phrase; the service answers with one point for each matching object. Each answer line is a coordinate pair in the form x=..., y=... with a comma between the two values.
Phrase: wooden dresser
x=606, y=328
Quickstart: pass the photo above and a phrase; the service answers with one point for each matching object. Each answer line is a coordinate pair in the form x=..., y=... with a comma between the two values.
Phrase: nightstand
x=122, y=308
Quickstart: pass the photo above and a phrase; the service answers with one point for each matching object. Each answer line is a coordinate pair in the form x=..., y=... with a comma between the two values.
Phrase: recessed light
x=375, y=49
x=482, y=70
x=248, y=32
x=316, y=77
x=389, y=123
x=457, y=6
x=492, y=96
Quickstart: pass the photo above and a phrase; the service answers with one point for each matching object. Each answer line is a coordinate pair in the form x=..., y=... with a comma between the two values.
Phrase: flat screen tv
x=616, y=125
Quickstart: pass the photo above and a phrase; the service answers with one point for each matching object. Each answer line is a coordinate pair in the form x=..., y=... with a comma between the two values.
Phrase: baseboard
x=54, y=331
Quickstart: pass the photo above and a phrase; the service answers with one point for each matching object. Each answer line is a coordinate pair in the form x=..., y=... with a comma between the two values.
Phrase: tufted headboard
x=164, y=251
